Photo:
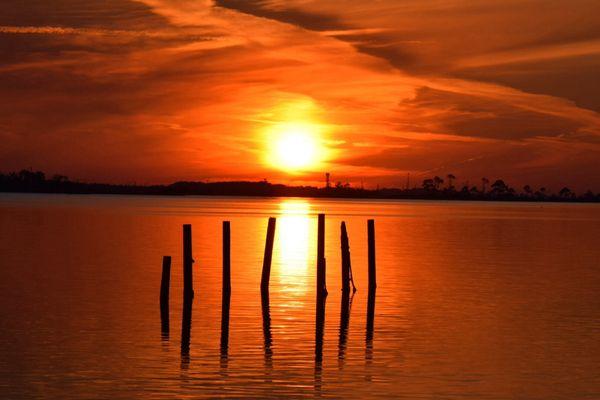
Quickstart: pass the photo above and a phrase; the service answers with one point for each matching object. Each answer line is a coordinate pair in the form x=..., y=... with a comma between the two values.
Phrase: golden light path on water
x=293, y=246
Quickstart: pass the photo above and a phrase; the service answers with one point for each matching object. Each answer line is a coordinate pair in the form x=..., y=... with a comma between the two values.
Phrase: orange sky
x=161, y=90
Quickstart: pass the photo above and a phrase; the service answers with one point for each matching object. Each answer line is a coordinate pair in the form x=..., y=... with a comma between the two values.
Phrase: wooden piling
x=226, y=258
x=188, y=286
x=226, y=291
x=266, y=271
x=372, y=269
x=165, y=283
x=321, y=262
x=188, y=295
x=321, y=297
x=345, y=259
x=372, y=290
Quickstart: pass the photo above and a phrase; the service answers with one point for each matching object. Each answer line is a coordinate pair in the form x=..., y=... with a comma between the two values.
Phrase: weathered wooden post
x=372, y=269
x=165, y=283
x=345, y=259
x=188, y=295
x=226, y=258
x=321, y=262
x=372, y=290
x=188, y=285
x=226, y=291
x=266, y=271
x=321, y=295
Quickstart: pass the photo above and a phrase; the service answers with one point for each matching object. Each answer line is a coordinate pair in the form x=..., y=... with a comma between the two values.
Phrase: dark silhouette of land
x=28, y=181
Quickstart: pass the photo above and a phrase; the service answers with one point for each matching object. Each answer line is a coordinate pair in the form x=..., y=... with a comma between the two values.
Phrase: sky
x=155, y=91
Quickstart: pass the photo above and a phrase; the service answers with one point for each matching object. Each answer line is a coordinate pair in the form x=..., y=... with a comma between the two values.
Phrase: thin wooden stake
x=188, y=285
x=226, y=258
x=345, y=259
x=226, y=292
x=266, y=271
x=165, y=283
x=372, y=268
x=321, y=262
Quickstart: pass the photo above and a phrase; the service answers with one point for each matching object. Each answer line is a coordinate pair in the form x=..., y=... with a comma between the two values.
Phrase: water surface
x=474, y=300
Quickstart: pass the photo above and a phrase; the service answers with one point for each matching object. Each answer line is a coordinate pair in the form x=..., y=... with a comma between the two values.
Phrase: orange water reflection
x=293, y=248
x=480, y=300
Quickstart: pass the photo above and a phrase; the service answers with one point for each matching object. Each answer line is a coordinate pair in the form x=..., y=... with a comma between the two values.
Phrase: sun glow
x=295, y=146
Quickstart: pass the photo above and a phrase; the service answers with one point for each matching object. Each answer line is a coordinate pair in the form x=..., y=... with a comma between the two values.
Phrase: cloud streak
x=157, y=90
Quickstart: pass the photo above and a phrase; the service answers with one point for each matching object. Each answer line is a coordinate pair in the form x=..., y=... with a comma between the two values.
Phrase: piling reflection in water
x=369, y=333
x=319, y=333
x=186, y=330
x=225, y=330
x=268, y=340
x=346, y=306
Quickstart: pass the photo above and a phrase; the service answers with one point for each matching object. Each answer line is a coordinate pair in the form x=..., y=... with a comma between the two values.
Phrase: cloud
x=161, y=90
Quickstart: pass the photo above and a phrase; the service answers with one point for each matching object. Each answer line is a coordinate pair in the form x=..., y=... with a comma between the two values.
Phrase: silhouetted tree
x=30, y=181
x=484, y=183
x=527, y=189
x=499, y=188
x=428, y=185
x=451, y=179
x=59, y=178
x=541, y=193
x=566, y=193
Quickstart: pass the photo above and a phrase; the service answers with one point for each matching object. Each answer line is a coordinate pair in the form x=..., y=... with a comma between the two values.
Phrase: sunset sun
x=294, y=147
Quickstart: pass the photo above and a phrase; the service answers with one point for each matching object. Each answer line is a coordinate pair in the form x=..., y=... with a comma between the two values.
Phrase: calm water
x=474, y=300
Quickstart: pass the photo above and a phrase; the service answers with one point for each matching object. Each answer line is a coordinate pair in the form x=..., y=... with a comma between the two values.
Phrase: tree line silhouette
x=29, y=181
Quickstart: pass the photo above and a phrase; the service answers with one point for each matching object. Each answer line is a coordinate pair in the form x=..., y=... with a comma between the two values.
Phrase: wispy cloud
x=185, y=89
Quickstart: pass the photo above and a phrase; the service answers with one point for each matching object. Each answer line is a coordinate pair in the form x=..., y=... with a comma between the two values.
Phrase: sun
x=294, y=146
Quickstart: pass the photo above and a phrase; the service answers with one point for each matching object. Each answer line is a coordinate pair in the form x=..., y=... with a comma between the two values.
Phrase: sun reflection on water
x=293, y=245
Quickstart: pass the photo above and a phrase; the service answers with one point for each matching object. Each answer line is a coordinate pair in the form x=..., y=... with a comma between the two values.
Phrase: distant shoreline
x=35, y=182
